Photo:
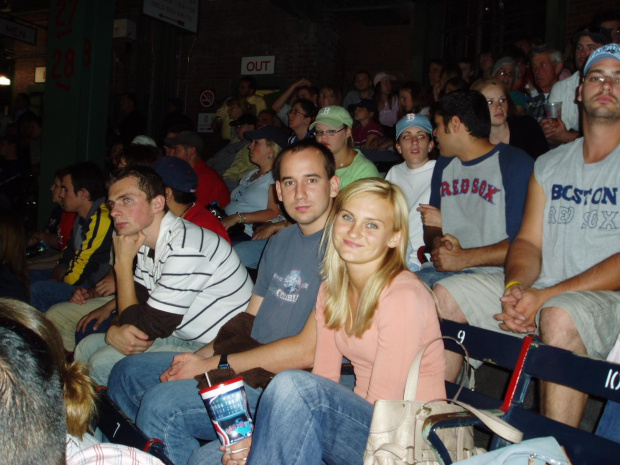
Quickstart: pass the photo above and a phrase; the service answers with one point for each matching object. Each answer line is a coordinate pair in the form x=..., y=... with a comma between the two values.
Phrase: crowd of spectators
x=145, y=269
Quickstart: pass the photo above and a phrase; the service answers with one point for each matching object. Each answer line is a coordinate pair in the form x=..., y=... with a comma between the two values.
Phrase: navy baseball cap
x=367, y=103
x=177, y=174
x=272, y=133
x=189, y=138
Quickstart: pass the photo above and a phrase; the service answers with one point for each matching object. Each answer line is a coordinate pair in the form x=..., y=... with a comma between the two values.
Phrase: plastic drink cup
x=227, y=405
x=553, y=110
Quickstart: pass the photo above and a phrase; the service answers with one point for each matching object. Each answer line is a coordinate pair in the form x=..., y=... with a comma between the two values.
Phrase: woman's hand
x=230, y=221
x=237, y=453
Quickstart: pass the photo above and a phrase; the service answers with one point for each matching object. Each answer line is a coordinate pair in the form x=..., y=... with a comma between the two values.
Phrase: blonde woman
x=371, y=310
x=506, y=125
x=254, y=200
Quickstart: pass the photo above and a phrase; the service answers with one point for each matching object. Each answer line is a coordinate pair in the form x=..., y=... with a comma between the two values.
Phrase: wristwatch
x=223, y=365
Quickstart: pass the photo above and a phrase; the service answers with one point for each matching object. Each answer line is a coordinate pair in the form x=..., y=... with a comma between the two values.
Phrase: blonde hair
x=338, y=311
x=274, y=146
x=78, y=390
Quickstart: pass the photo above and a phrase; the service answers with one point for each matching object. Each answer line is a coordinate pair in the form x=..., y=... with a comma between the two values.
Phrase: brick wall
x=165, y=61
x=27, y=57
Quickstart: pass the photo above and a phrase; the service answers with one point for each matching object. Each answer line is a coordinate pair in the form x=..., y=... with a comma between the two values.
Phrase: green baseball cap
x=333, y=116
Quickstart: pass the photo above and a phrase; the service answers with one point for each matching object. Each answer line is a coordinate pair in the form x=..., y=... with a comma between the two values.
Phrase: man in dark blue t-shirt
x=479, y=187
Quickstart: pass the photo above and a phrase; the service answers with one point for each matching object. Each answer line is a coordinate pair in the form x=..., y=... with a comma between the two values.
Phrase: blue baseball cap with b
x=412, y=120
x=609, y=51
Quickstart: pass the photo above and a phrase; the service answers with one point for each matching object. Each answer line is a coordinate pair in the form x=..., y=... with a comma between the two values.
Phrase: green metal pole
x=79, y=49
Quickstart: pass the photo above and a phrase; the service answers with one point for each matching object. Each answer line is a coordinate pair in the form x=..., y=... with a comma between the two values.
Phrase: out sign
x=258, y=65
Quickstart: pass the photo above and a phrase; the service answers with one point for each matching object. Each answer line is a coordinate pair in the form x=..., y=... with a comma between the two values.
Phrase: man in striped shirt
x=187, y=281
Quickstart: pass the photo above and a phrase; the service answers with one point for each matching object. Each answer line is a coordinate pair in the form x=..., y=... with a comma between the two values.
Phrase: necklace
x=254, y=177
x=348, y=162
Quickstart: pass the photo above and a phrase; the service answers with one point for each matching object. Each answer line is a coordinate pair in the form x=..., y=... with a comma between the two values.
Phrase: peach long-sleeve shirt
x=405, y=321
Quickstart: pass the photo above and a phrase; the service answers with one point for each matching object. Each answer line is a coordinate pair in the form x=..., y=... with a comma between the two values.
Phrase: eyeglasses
x=600, y=78
x=297, y=112
x=503, y=73
x=329, y=132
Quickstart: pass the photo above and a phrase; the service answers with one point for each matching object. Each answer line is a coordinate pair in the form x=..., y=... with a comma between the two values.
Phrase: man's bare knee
x=558, y=329
x=448, y=307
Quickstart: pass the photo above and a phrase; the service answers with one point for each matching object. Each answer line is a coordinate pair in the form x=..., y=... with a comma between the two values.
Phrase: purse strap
x=493, y=422
x=411, y=388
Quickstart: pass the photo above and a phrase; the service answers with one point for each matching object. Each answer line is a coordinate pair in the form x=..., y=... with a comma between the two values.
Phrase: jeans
x=172, y=411
x=250, y=252
x=211, y=453
x=102, y=357
x=431, y=276
x=44, y=293
x=306, y=419
x=609, y=425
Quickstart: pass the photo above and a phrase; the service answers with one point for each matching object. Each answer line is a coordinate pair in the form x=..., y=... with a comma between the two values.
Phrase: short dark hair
x=60, y=173
x=137, y=154
x=250, y=80
x=184, y=198
x=311, y=90
x=328, y=156
x=308, y=107
x=87, y=175
x=457, y=82
x=148, y=180
x=436, y=61
x=470, y=106
x=179, y=128
x=607, y=15
x=363, y=71
x=33, y=421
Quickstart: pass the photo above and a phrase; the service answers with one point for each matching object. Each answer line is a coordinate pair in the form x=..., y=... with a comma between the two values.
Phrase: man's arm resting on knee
x=523, y=263
x=520, y=305
x=127, y=339
x=295, y=352
x=604, y=276
x=252, y=309
x=284, y=354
